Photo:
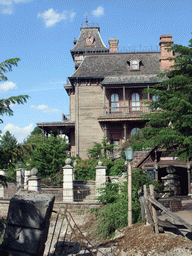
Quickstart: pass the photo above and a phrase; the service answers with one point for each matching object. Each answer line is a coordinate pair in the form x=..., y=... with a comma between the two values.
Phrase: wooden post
x=129, y=195
x=154, y=213
x=189, y=181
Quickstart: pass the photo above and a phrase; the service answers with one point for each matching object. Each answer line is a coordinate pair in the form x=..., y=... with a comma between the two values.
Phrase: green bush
x=113, y=214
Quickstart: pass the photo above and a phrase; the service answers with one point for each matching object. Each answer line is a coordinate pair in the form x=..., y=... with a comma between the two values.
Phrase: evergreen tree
x=47, y=154
x=36, y=130
x=9, y=154
x=8, y=141
x=5, y=103
x=170, y=126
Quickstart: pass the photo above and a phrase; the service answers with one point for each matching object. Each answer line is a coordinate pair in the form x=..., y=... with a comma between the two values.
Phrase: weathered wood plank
x=154, y=213
x=148, y=215
x=168, y=212
x=142, y=210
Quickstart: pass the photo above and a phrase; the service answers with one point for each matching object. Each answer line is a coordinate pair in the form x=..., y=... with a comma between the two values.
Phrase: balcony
x=124, y=113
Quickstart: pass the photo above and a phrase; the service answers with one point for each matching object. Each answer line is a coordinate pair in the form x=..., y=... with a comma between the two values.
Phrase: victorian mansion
x=106, y=93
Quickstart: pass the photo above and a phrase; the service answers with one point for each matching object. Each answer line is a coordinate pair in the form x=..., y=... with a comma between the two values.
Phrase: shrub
x=113, y=214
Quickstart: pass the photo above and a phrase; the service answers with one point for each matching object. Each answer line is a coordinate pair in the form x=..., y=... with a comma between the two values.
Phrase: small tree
x=170, y=126
x=9, y=156
x=47, y=154
x=6, y=66
x=97, y=149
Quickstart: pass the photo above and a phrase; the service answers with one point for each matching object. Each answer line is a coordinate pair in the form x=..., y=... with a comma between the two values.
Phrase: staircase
x=138, y=156
x=84, y=191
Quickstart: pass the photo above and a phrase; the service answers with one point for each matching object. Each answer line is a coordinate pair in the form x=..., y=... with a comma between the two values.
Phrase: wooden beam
x=168, y=212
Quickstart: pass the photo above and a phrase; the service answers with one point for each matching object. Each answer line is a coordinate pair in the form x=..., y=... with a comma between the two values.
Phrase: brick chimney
x=113, y=44
x=165, y=64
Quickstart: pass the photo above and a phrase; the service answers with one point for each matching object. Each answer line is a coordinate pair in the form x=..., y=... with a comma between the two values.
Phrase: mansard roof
x=117, y=65
x=132, y=79
x=96, y=46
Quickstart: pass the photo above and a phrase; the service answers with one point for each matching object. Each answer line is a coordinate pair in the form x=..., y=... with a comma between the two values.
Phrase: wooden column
x=125, y=132
x=104, y=100
x=105, y=132
x=156, y=174
x=148, y=96
x=124, y=99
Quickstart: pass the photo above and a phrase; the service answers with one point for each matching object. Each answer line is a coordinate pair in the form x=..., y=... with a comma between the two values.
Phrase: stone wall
x=90, y=108
x=10, y=190
x=57, y=192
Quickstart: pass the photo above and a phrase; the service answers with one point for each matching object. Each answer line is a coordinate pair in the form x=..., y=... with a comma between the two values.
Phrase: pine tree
x=5, y=103
x=47, y=154
x=170, y=126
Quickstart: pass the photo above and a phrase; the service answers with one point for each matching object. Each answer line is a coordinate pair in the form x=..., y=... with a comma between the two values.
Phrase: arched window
x=134, y=130
x=114, y=102
x=135, y=100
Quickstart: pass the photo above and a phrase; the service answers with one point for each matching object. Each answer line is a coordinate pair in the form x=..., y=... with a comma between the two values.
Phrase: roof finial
x=86, y=20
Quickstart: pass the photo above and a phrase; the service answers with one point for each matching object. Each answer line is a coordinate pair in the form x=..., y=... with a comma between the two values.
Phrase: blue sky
x=41, y=34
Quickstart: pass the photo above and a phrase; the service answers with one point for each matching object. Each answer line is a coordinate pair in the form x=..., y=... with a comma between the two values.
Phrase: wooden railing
x=127, y=110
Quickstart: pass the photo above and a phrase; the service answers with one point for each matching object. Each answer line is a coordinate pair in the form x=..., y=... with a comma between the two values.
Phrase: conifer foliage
x=169, y=127
x=6, y=66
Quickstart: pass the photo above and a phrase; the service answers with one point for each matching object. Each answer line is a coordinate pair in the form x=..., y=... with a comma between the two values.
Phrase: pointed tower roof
x=89, y=41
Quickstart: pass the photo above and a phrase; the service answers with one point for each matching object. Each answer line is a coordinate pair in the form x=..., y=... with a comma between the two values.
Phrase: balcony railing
x=132, y=110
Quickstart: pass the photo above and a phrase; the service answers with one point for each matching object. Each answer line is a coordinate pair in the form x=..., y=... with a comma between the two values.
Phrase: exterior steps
x=84, y=191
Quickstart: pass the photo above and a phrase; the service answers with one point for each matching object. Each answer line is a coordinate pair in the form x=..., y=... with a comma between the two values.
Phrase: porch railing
x=131, y=110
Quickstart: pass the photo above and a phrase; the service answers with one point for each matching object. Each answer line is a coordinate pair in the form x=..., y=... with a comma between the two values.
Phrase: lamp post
x=156, y=171
x=129, y=153
x=188, y=165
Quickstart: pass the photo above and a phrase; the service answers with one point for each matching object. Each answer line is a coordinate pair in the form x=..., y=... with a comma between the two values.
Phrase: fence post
x=34, y=181
x=68, y=181
x=2, y=189
x=151, y=187
x=145, y=196
x=100, y=177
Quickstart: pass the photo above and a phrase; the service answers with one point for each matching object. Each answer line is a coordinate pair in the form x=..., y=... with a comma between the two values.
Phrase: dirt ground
x=136, y=239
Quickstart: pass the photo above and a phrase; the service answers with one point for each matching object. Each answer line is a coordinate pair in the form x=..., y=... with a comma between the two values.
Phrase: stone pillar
x=100, y=177
x=68, y=181
x=26, y=178
x=2, y=189
x=19, y=177
x=34, y=181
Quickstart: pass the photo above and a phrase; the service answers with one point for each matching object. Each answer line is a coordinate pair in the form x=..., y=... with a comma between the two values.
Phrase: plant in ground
x=113, y=215
x=170, y=126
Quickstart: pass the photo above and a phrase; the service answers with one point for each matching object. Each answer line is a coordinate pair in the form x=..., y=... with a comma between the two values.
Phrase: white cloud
x=51, y=17
x=6, y=86
x=7, y=9
x=72, y=15
x=18, y=132
x=46, y=109
x=7, y=6
x=98, y=12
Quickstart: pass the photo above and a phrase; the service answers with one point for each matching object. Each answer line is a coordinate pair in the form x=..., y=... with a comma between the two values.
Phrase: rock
x=118, y=234
x=28, y=222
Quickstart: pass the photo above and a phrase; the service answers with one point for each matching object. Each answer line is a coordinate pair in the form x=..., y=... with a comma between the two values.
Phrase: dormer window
x=134, y=64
